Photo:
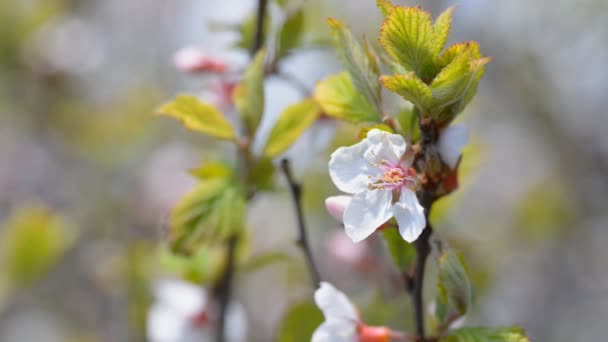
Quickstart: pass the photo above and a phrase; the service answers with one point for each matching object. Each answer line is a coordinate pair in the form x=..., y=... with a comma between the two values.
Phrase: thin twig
x=258, y=39
x=224, y=287
x=302, y=240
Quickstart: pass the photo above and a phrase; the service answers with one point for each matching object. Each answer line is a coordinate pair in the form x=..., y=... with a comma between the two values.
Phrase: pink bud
x=374, y=334
x=336, y=205
x=192, y=59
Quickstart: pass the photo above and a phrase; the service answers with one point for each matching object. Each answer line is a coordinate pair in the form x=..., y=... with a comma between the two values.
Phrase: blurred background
x=88, y=175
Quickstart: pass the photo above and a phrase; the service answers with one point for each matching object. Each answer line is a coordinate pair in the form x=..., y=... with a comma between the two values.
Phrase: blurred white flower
x=342, y=322
x=192, y=59
x=181, y=314
x=374, y=172
x=452, y=140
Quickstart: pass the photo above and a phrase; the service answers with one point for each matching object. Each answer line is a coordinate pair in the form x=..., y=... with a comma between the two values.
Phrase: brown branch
x=302, y=240
x=224, y=287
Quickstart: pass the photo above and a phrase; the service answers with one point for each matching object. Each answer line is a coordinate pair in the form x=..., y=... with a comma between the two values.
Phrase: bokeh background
x=88, y=175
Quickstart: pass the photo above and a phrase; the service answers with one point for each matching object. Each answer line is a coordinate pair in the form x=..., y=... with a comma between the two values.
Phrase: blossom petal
x=384, y=146
x=335, y=305
x=409, y=215
x=335, y=331
x=164, y=324
x=349, y=170
x=367, y=211
x=336, y=205
x=184, y=298
x=452, y=140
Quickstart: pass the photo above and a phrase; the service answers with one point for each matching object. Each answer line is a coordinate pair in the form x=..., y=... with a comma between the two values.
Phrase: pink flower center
x=393, y=177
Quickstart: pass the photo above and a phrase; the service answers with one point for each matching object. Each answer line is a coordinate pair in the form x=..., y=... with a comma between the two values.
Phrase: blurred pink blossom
x=192, y=59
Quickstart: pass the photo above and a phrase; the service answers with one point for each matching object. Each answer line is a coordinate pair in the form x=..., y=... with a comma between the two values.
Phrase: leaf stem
x=302, y=240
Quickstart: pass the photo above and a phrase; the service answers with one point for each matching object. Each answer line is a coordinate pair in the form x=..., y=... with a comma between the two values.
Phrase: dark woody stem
x=415, y=285
x=302, y=239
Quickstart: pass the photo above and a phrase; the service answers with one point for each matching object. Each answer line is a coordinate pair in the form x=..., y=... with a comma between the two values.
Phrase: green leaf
x=358, y=62
x=202, y=267
x=198, y=116
x=479, y=334
x=456, y=85
x=262, y=260
x=385, y=6
x=210, y=170
x=410, y=88
x=208, y=215
x=262, y=173
x=408, y=122
x=339, y=98
x=291, y=32
x=299, y=323
x=32, y=241
x=407, y=36
x=456, y=50
x=248, y=95
x=294, y=120
x=402, y=252
x=453, y=283
x=441, y=27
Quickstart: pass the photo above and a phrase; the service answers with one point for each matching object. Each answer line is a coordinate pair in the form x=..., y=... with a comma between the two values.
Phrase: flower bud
x=374, y=334
x=193, y=60
x=336, y=205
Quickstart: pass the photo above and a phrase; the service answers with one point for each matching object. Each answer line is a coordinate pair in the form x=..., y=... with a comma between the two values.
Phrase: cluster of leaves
x=215, y=210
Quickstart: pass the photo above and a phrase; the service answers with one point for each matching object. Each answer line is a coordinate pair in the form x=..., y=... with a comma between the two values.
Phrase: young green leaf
x=441, y=27
x=32, y=241
x=294, y=120
x=246, y=30
x=339, y=98
x=210, y=170
x=410, y=88
x=456, y=85
x=480, y=334
x=198, y=116
x=357, y=61
x=407, y=36
x=290, y=35
x=456, y=50
x=248, y=95
x=402, y=252
x=454, y=284
x=212, y=212
x=385, y=6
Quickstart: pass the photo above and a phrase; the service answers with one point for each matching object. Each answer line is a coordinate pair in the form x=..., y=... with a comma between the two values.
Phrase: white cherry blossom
x=342, y=322
x=452, y=140
x=180, y=313
x=382, y=186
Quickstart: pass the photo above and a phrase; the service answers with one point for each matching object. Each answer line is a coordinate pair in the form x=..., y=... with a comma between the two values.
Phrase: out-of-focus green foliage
x=212, y=212
x=403, y=253
x=33, y=240
x=509, y=334
x=248, y=96
x=291, y=33
x=198, y=116
x=299, y=323
x=294, y=120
